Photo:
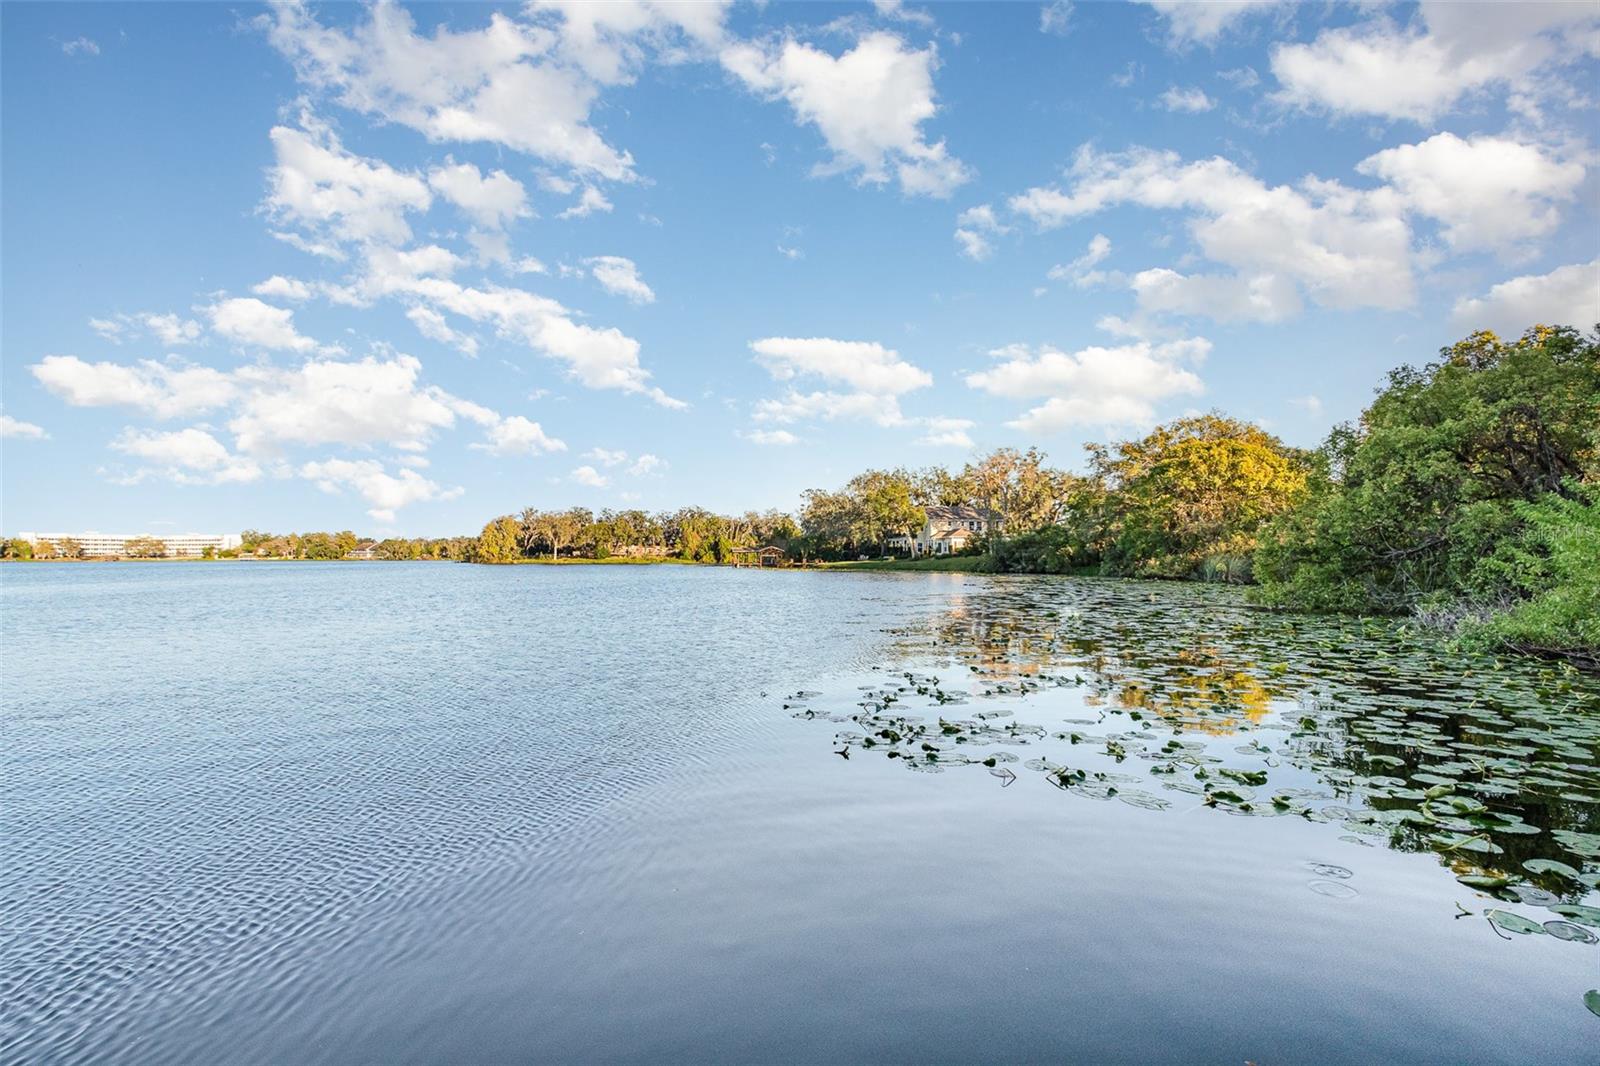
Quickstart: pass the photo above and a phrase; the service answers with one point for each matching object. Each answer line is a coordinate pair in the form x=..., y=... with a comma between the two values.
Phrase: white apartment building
x=110, y=545
x=947, y=530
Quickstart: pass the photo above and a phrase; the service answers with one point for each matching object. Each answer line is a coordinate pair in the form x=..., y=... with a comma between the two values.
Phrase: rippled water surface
x=436, y=813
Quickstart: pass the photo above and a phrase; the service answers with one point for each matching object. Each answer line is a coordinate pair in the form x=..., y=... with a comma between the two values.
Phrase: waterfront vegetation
x=256, y=544
x=1466, y=495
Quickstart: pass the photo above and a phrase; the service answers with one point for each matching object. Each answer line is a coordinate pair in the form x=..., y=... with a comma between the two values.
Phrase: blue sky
x=407, y=268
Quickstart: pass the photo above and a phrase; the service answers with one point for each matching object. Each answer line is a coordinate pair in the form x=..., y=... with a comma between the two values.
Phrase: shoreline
x=949, y=564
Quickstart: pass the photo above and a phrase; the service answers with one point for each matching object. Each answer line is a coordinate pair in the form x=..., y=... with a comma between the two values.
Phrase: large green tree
x=1194, y=494
x=1418, y=502
x=881, y=507
x=1016, y=488
x=498, y=543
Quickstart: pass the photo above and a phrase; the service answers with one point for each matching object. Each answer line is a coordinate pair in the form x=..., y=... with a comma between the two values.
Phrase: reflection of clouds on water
x=1136, y=691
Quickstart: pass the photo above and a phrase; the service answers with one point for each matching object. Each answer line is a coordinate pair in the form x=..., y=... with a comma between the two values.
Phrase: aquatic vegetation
x=1173, y=697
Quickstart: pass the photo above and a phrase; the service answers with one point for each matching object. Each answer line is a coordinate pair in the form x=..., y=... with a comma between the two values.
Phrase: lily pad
x=1143, y=799
x=1569, y=931
x=1579, y=913
x=1585, y=844
x=1513, y=923
x=1328, y=869
x=1534, y=896
x=1483, y=881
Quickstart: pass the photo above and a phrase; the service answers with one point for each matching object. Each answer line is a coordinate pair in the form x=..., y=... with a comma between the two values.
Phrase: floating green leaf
x=1578, y=912
x=1568, y=931
x=1513, y=923
x=1483, y=881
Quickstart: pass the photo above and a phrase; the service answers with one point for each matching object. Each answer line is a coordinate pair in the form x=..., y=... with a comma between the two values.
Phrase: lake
x=418, y=813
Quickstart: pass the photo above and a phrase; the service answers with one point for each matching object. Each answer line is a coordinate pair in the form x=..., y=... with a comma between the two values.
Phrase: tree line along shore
x=1467, y=495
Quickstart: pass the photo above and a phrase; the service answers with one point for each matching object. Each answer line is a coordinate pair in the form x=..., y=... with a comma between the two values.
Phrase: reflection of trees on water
x=1342, y=748
x=1510, y=750
x=1202, y=685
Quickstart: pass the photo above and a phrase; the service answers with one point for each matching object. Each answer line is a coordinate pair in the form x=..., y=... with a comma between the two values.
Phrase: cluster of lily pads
x=1184, y=695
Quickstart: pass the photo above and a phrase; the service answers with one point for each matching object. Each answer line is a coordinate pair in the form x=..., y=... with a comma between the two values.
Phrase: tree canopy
x=1194, y=491
x=1419, y=500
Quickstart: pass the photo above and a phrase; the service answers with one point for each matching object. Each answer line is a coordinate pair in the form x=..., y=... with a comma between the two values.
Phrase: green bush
x=1556, y=561
x=1044, y=551
x=1420, y=501
x=1231, y=568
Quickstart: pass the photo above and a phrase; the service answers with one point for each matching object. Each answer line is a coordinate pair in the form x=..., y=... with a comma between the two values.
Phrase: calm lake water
x=418, y=813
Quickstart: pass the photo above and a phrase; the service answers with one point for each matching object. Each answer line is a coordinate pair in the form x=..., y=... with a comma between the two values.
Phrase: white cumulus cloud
x=169, y=329
x=249, y=322
x=599, y=358
x=772, y=437
x=865, y=365
x=1094, y=386
x=1424, y=69
x=1485, y=192
x=976, y=228
x=869, y=103
x=588, y=475
x=490, y=200
x=1224, y=297
x=1081, y=271
x=590, y=201
x=944, y=432
x=335, y=196
x=647, y=464
x=516, y=435
x=1344, y=247
x=16, y=428
x=498, y=84
x=279, y=287
x=620, y=276
x=1567, y=296
x=159, y=389
x=187, y=456
x=1204, y=21
x=1191, y=101
x=433, y=325
x=385, y=492
x=362, y=402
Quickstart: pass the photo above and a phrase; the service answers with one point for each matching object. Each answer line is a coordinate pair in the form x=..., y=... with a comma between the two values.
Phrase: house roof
x=963, y=514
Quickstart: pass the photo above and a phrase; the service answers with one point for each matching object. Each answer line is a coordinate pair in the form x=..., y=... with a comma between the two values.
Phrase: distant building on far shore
x=104, y=545
x=946, y=531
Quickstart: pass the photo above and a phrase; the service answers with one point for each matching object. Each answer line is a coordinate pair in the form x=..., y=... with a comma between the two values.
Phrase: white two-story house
x=947, y=531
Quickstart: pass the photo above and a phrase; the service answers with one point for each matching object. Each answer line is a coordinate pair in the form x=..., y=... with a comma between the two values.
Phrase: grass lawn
x=965, y=563
x=614, y=560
